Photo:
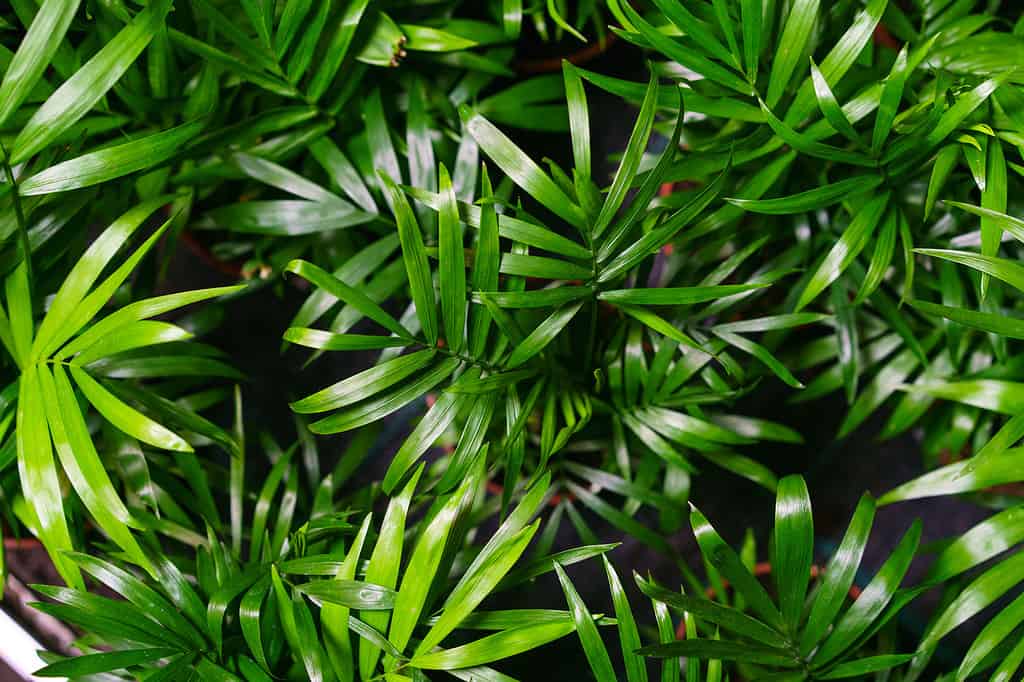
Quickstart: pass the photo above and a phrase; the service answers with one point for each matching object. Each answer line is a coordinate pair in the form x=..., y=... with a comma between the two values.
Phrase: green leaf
x=512, y=17
x=286, y=217
x=1010, y=664
x=982, y=591
x=133, y=312
x=621, y=520
x=384, y=564
x=881, y=258
x=38, y=474
x=512, y=618
x=790, y=48
x=334, y=619
x=110, y=163
x=428, y=39
x=113, y=619
x=148, y=600
x=316, y=338
x=727, y=618
x=688, y=57
x=249, y=610
x=126, y=418
x=271, y=82
x=302, y=56
x=838, y=575
x=758, y=429
x=993, y=197
x=540, y=337
x=468, y=594
x=708, y=649
x=250, y=50
x=885, y=382
x=280, y=177
x=78, y=94
x=1001, y=268
x=420, y=151
x=841, y=57
x=492, y=383
x=452, y=267
x=761, y=353
x=892, y=93
x=1007, y=223
x=681, y=427
x=139, y=335
x=696, y=29
x=772, y=322
x=296, y=623
x=847, y=337
x=1008, y=434
x=725, y=22
x=85, y=307
x=520, y=168
x=728, y=563
x=41, y=41
x=850, y=244
x=872, y=600
x=423, y=566
x=291, y=19
x=385, y=160
x=812, y=199
x=865, y=666
x=752, y=21
x=508, y=227
x=963, y=476
x=990, y=394
x=19, y=301
x=496, y=647
x=336, y=50
x=651, y=242
x=523, y=265
x=534, y=298
x=593, y=647
x=84, y=274
x=82, y=463
x=804, y=143
x=414, y=254
x=433, y=424
x=579, y=118
x=675, y=295
x=712, y=106
x=830, y=106
x=964, y=107
x=348, y=294
x=629, y=636
x=374, y=637
x=943, y=165
x=352, y=594
x=994, y=632
x=95, y=664
x=1000, y=324
x=486, y=265
x=793, y=546
x=630, y=162
x=341, y=170
x=384, y=404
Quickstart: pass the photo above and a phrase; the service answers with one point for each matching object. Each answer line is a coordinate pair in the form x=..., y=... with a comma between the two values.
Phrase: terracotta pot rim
x=581, y=56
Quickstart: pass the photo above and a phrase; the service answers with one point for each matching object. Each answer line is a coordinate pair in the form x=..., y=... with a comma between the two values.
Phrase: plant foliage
x=523, y=337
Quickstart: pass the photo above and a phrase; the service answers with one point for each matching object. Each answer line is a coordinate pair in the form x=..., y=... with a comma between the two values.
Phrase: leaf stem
x=592, y=335
x=26, y=249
